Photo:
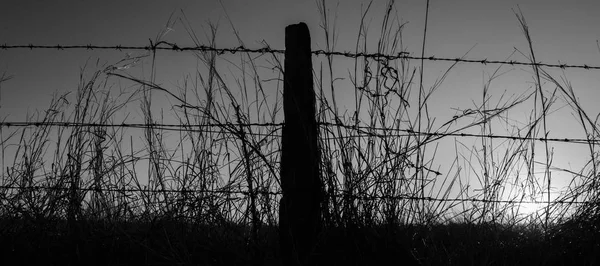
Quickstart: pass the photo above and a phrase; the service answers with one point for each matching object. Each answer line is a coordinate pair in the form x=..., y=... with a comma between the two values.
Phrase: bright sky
x=562, y=32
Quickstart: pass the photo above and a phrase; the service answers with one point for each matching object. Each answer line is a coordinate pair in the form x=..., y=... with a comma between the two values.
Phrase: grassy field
x=76, y=190
x=171, y=242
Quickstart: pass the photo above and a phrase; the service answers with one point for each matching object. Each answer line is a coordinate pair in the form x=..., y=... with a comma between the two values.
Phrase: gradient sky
x=562, y=31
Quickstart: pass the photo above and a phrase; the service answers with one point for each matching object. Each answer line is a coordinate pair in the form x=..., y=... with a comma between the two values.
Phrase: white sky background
x=562, y=32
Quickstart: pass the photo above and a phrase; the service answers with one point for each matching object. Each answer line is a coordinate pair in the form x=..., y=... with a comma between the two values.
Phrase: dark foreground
x=164, y=242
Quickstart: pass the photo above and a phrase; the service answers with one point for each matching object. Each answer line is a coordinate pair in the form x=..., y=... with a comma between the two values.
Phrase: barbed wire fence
x=268, y=50
x=274, y=193
x=187, y=128
x=166, y=46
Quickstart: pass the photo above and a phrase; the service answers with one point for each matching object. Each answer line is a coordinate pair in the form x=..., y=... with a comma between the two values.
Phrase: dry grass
x=99, y=205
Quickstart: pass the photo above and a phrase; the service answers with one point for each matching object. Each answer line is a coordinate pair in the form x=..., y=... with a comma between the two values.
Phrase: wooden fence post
x=300, y=205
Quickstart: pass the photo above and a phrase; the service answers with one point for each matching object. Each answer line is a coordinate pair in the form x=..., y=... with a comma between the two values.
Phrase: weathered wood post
x=299, y=210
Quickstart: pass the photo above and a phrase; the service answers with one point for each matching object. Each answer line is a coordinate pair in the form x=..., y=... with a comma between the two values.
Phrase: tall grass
x=210, y=189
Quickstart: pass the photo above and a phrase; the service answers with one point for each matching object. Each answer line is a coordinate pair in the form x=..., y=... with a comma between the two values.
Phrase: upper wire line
x=162, y=45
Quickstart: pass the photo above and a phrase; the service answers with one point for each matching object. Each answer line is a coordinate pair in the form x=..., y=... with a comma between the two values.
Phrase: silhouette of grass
x=218, y=187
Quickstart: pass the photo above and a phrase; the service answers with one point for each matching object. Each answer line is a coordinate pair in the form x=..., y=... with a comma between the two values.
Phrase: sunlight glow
x=527, y=208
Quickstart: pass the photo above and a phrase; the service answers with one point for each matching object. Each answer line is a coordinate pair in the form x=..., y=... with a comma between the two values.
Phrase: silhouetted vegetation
x=87, y=193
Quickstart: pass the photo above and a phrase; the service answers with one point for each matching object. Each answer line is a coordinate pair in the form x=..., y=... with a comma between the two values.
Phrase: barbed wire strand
x=147, y=190
x=133, y=125
x=442, y=134
x=183, y=127
x=265, y=192
x=268, y=50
